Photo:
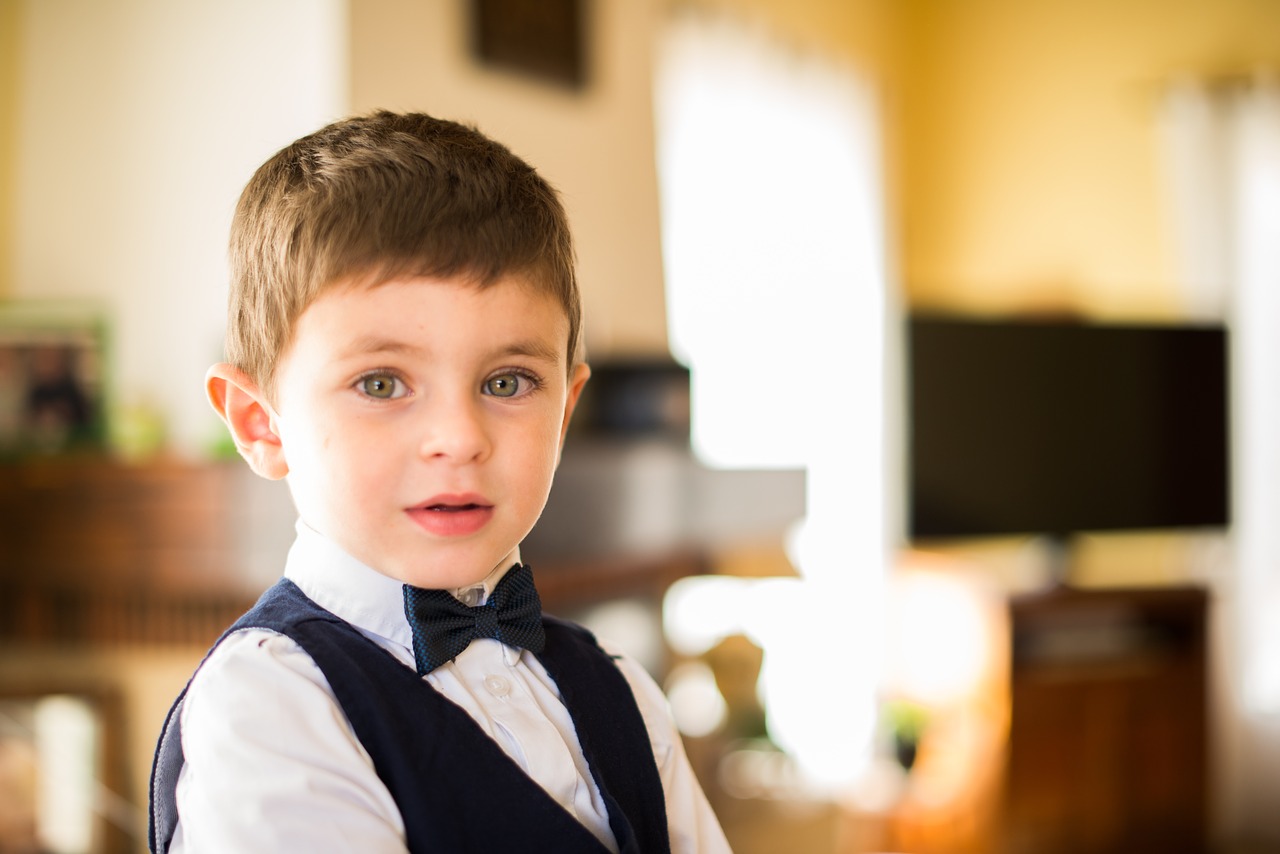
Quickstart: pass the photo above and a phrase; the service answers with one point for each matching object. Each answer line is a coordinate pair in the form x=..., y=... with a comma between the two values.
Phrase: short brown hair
x=378, y=197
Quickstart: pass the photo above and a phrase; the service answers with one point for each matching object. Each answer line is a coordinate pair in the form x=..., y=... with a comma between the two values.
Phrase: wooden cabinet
x=94, y=550
x=1108, y=729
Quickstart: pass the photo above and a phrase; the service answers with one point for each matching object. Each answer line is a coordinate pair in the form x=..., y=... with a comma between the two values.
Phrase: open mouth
x=451, y=518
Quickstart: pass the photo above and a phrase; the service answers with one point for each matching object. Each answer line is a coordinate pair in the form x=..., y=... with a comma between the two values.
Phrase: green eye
x=381, y=386
x=506, y=385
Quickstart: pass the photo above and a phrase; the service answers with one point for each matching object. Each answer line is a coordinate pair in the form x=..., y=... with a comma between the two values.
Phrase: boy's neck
x=478, y=593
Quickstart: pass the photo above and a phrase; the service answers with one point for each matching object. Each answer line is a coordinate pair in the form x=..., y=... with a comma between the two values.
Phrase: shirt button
x=498, y=686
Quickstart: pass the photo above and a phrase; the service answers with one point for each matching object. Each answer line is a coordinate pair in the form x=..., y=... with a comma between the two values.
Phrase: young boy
x=404, y=350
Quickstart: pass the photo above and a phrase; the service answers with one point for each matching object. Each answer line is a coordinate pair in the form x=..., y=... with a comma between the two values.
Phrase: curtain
x=771, y=199
x=1223, y=146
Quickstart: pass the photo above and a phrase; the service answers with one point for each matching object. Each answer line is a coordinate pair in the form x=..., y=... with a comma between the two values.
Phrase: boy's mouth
x=455, y=502
x=452, y=516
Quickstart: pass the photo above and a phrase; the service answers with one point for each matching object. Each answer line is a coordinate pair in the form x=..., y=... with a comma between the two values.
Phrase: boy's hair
x=370, y=199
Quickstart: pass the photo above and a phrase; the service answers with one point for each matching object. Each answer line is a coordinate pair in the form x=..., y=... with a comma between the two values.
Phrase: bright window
x=769, y=169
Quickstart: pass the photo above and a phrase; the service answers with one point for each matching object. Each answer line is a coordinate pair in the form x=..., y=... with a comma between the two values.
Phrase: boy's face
x=421, y=422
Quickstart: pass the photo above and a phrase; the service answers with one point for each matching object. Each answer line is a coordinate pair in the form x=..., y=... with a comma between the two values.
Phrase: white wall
x=139, y=123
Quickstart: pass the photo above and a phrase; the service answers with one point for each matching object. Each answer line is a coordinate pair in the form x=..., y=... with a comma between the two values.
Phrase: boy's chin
x=452, y=574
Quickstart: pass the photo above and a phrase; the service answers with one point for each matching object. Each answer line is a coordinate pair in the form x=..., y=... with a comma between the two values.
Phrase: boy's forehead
x=540, y=318
x=372, y=282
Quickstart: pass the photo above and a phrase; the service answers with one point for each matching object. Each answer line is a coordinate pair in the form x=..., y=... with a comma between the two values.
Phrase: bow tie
x=443, y=627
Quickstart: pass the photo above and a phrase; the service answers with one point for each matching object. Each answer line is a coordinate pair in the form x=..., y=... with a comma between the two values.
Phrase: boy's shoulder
x=256, y=668
x=257, y=712
x=253, y=662
x=282, y=605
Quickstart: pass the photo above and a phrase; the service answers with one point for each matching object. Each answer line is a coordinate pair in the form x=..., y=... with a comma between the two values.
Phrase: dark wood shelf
x=93, y=550
x=1108, y=741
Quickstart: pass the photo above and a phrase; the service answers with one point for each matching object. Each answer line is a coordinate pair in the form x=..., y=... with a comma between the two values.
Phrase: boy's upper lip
x=453, y=499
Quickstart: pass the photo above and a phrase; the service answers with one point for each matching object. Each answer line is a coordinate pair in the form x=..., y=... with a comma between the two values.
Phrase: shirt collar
x=361, y=595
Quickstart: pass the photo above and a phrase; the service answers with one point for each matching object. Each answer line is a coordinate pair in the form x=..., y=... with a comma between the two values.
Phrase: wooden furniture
x=93, y=550
x=1107, y=737
x=96, y=551
x=1108, y=729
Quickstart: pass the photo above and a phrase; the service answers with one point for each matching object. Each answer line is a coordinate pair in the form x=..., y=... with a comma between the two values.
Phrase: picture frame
x=52, y=378
x=540, y=39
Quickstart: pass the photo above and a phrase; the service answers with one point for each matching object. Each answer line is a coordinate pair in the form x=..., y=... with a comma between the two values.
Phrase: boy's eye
x=381, y=386
x=506, y=385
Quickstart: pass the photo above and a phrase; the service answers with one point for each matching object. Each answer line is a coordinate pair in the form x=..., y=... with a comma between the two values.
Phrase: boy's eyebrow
x=381, y=344
x=535, y=349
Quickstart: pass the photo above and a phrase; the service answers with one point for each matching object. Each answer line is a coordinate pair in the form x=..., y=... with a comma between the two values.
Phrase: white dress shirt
x=272, y=764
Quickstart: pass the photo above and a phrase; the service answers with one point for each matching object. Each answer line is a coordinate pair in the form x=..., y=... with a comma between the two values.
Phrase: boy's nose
x=455, y=431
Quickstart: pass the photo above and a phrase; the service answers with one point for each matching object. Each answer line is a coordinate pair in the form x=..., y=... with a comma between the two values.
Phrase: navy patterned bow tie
x=443, y=627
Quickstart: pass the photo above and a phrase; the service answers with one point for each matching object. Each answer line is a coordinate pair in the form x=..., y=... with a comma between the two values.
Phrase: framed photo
x=52, y=372
x=542, y=39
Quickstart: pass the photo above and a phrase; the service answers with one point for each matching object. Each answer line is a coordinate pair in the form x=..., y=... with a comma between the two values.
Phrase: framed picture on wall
x=542, y=39
x=52, y=370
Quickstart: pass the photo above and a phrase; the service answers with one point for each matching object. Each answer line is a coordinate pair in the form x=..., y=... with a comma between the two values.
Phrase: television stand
x=1108, y=730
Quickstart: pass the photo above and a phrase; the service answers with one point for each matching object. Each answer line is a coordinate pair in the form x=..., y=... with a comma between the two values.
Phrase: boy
x=404, y=349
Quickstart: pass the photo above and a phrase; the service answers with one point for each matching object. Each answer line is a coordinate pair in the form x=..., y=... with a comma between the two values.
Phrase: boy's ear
x=249, y=416
x=577, y=379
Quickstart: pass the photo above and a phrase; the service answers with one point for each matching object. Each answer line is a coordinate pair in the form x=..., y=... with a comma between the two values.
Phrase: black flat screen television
x=1056, y=428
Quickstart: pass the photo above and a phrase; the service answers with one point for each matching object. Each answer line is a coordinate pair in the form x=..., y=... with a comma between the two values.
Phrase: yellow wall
x=9, y=64
x=1032, y=176
x=1022, y=137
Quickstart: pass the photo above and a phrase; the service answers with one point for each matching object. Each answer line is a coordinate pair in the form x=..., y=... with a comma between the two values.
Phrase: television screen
x=1055, y=428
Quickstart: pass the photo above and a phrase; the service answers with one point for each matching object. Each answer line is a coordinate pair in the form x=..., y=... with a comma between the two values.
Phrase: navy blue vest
x=442, y=770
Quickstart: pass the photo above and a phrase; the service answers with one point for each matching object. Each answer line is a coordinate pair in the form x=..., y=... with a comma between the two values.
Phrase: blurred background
x=932, y=455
